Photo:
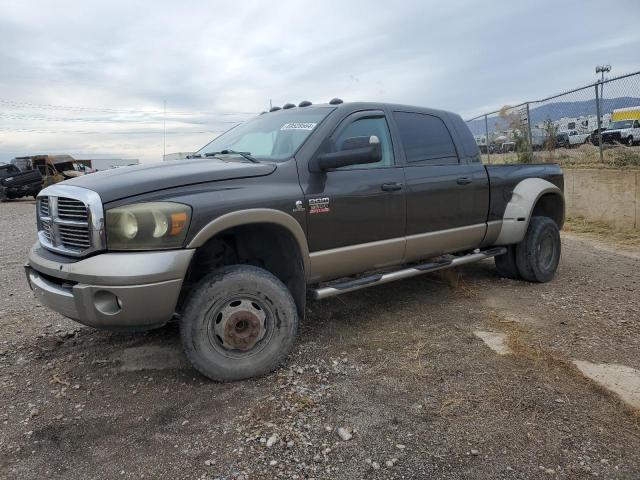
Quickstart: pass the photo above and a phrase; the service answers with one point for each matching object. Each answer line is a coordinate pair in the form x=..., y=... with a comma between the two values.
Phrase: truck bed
x=504, y=178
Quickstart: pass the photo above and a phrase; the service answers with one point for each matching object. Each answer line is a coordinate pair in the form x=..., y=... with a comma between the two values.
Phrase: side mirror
x=355, y=151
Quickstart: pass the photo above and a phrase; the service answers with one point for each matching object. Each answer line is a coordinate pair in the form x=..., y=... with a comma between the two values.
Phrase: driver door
x=356, y=214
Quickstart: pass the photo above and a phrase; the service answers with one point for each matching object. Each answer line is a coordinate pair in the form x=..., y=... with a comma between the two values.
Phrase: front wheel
x=630, y=141
x=239, y=322
x=538, y=255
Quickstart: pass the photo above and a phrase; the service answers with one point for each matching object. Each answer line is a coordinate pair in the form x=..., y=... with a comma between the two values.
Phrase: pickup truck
x=17, y=184
x=622, y=131
x=576, y=138
x=308, y=201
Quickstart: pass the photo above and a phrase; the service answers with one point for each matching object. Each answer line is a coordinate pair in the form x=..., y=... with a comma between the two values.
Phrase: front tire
x=538, y=255
x=630, y=141
x=239, y=322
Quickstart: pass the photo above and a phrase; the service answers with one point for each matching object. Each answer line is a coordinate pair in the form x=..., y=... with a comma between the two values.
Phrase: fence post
x=599, y=124
x=486, y=136
x=529, y=133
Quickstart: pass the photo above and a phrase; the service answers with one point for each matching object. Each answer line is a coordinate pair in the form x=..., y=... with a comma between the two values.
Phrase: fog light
x=106, y=302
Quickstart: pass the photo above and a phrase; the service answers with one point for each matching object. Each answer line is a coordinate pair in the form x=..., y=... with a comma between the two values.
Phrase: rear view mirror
x=355, y=151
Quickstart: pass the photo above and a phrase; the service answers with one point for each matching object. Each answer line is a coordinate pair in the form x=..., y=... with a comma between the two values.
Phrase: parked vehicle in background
x=508, y=147
x=538, y=138
x=562, y=140
x=53, y=168
x=594, y=138
x=622, y=131
x=629, y=113
x=576, y=138
x=319, y=200
x=99, y=164
x=17, y=184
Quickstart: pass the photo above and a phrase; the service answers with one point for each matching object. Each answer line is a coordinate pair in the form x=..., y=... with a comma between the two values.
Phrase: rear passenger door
x=447, y=200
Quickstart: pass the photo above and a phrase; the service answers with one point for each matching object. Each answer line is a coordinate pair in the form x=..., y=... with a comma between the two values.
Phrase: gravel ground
x=388, y=382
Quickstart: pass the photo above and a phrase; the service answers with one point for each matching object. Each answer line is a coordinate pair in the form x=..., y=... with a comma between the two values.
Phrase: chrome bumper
x=117, y=291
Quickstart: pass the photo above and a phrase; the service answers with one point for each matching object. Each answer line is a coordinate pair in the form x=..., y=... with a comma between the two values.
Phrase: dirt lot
x=398, y=366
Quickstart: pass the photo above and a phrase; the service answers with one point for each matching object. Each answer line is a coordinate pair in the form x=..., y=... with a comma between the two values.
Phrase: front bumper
x=116, y=291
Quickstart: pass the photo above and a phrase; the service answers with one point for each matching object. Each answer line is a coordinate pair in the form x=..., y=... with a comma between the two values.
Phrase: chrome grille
x=71, y=209
x=74, y=236
x=70, y=220
x=44, y=206
x=46, y=229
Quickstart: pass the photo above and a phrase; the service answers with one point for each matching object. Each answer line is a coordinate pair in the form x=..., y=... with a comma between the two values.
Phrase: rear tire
x=506, y=264
x=239, y=322
x=538, y=255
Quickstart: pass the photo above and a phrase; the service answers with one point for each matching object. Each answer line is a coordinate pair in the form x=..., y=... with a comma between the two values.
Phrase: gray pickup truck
x=307, y=201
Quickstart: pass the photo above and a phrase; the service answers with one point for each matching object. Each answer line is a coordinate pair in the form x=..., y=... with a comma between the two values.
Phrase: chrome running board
x=379, y=279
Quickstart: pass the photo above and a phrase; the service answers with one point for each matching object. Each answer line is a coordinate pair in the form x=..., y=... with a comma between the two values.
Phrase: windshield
x=272, y=136
x=620, y=124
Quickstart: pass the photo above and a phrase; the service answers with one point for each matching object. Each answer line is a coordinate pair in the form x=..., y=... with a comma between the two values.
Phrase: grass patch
x=583, y=156
x=628, y=237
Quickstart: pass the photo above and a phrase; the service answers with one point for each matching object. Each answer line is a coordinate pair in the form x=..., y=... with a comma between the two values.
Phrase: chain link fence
x=595, y=123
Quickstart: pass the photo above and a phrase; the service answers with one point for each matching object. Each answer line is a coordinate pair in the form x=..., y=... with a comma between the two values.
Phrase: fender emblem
x=319, y=205
x=299, y=206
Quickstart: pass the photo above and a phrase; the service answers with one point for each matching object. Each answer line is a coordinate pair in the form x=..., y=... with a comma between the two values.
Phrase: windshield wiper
x=245, y=155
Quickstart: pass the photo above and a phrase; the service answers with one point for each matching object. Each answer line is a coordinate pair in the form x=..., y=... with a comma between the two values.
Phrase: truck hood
x=124, y=182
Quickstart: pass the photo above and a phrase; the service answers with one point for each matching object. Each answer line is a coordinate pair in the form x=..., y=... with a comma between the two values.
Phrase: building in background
x=176, y=156
x=107, y=163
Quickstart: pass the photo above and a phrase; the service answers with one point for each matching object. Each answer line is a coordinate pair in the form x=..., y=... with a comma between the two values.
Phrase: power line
x=47, y=106
x=35, y=117
x=87, y=132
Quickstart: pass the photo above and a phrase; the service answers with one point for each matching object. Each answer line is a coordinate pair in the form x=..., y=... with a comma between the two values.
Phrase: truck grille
x=71, y=209
x=67, y=225
x=44, y=206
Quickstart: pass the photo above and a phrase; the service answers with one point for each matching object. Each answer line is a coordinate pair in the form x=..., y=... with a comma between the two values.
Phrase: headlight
x=147, y=226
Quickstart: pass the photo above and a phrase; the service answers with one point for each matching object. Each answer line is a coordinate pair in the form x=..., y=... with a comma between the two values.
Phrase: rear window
x=425, y=138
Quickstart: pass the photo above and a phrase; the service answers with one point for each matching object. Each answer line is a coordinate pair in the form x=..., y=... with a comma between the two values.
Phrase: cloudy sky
x=91, y=78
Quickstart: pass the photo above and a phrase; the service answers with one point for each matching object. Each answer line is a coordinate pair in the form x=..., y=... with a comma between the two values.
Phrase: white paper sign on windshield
x=298, y=126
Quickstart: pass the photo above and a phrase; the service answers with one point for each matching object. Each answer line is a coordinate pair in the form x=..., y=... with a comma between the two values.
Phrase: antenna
x=164, y=130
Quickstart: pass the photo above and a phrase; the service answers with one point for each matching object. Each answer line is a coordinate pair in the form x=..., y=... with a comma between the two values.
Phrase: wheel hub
x=240, y=324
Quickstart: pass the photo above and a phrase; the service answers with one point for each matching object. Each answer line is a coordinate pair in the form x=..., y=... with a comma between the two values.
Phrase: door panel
x=354, y=212
x=447, y=208
x=447, y=201
x=441, y=197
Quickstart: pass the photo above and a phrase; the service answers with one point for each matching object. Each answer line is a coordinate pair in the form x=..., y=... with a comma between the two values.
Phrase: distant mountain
x=557, y=110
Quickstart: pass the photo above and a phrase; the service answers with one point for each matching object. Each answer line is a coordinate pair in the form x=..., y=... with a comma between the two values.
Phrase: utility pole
x=164, y=131
x=601, y=69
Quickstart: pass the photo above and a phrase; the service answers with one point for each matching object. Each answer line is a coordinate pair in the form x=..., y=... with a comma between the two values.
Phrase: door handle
x=464, y=180
x=391, y=187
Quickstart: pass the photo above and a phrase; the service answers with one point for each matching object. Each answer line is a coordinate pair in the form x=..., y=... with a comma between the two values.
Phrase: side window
x=636, y=124
x=425, y=138
x=366, y=127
